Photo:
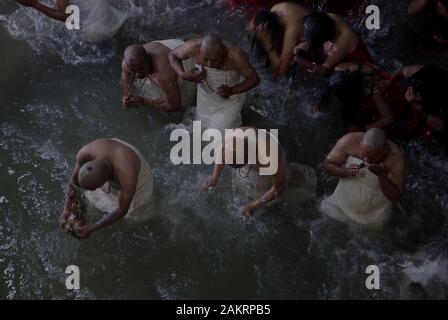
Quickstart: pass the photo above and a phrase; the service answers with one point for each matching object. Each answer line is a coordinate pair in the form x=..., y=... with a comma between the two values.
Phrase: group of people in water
x=214, y=75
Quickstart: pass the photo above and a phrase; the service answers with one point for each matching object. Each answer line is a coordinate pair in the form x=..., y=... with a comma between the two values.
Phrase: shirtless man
x=223, y=73
x=150, y=62
x=118, y=165
x=279, y=180
x=295, y=181
x=372, y=176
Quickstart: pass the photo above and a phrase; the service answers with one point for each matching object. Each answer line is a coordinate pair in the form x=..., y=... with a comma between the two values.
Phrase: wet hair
x=375, y=138
x=347, y=87
x=274, y=26
x=318, y=28
x=430, y=83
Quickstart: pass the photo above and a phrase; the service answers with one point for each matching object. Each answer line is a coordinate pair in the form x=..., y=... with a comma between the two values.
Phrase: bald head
x=134, y=52
x=93, y=174
x=374, y=138
x=374, y=146
x=212, y=41
x=138, y=60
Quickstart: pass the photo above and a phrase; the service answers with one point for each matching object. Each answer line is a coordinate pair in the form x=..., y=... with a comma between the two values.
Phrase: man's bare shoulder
x=351, y=139
x=236, y=54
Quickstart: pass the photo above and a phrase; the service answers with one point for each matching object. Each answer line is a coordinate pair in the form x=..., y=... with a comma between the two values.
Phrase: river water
x=58, y=92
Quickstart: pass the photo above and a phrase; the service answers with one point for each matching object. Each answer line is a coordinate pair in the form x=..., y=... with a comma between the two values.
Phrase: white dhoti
x=214, y=111
x=99, y=18
x=302, y=183
x=106, y=198
x=188, y=89
x=358, y=199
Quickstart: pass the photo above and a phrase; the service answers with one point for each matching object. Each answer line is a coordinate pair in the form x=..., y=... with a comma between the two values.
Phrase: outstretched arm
x=57, y=13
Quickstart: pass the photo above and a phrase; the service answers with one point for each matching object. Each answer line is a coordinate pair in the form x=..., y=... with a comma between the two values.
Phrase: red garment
x=369, y=112
x=360, y=54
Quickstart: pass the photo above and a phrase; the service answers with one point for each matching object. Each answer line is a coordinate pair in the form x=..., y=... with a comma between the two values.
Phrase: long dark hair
x=318, y=27
x=431, y=83
x=274, y=26
x=347, y=87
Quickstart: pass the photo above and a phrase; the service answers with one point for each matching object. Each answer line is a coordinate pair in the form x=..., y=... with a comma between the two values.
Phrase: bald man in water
x=372, y=177
x=114, y=168
x=149, y=62
x=223, y=73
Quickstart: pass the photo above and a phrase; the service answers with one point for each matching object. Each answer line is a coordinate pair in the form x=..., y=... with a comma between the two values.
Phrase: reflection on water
x=58, y=93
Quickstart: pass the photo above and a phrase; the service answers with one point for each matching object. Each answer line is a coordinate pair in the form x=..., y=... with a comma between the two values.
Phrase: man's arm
x=278, y=188
x=246, y=69
x=213, y=180
x=334, y=163
x=81, y=158
x=126, y=80
x=128, y=187
x=57, y=13
x=393, y=183
x=183, y=52
x=124, y=202
x=173, y=102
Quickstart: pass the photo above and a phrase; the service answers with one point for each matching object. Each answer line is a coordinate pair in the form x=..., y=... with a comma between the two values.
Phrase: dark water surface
x=58, y=92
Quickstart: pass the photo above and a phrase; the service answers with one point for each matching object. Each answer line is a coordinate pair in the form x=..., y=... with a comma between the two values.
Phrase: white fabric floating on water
x=99, y=19
x=188, y=89
x=214, y=111
x=141, y=205
x=358, y=199
x=302, y=183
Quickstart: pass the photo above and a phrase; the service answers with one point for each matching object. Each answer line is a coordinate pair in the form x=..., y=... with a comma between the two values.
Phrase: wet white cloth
x=188, y=89
x=106, y=198
x=302, y=183
x=214, y=111
x=358, y=199
x=99, y=18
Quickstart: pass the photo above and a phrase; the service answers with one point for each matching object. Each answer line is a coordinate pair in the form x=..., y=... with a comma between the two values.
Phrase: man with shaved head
x=116, y=178
x=148, y=79
x=372, y=173
x=223, y=73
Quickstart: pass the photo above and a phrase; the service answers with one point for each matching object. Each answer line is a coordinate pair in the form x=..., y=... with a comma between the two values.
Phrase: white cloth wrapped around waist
x=106, y=198
x=301, y=186
x=188, y=89
x=214, y=111
x=99, y=18
x=358, y=199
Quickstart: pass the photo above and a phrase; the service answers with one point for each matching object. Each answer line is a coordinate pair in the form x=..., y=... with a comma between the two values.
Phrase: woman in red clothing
x=330, y=41
x=275, y=32
x=352, y=84
x=426, y=95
